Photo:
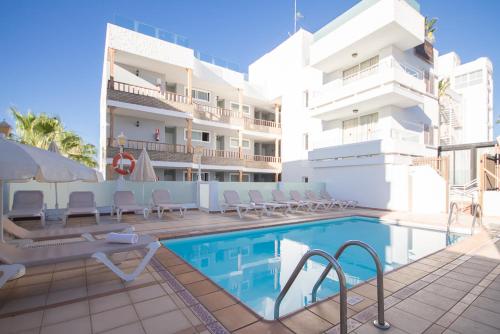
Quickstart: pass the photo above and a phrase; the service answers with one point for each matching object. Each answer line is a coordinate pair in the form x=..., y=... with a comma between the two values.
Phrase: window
x=359, y=129
x=235, y=177
x=233, y=143
x=200, y=95
x=305, y=179
x=204, y=176
x=236, y=107
x=305, y=141
x=197, y=135
x=469, y=79
x=305, y=98
x=360, y=70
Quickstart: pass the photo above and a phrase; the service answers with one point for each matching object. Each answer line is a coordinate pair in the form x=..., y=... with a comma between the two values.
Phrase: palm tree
x=430, y=29
x=40, y=130
x=443, y=86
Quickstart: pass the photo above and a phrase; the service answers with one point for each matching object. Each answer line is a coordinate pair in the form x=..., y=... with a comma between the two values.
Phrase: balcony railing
x=147, y=91
x=220, y=154
x=262, y=122
x=263, y=158
x=221, y=112
x=150, y=146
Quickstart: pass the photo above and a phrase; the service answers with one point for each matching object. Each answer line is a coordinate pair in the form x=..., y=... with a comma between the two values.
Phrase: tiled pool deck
x=456, y=290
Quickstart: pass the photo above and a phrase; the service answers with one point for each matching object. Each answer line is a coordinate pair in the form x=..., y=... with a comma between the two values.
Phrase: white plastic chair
x=28, y=203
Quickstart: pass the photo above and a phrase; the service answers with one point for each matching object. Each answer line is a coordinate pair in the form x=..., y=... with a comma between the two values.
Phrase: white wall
x=490, y=203
x=427, y=190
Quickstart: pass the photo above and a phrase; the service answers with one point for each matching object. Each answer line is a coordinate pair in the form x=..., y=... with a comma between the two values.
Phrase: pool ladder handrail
x=450, y=216
x=380, y=321
x=476, y=211
x=333, y=263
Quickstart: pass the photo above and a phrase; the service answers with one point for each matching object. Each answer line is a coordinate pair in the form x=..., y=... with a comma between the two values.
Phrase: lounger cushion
x=10, y=254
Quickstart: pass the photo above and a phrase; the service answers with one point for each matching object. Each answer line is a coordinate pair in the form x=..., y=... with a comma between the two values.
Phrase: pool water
x=254, y=265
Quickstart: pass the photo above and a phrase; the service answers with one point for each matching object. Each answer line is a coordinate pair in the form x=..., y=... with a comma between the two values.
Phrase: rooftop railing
x=171, y=37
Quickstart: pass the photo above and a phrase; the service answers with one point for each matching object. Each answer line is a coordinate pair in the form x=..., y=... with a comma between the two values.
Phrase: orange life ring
x=125, y=170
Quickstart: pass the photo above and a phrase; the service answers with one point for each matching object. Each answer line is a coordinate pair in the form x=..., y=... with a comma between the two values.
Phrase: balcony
x=179, y=153
x=387, y=83
x=366, y=28
x=156, y=98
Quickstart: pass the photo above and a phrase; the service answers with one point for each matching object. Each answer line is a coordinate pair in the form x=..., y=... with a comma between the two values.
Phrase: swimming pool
x=253, y=265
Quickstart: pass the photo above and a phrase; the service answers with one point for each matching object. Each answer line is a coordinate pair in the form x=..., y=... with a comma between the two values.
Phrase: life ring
x=125, y=170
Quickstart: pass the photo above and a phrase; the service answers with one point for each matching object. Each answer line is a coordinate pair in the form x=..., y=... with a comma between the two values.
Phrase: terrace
x=455, y=289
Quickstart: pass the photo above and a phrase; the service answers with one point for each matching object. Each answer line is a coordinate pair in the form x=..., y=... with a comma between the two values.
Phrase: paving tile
x=454, y=284
x=180, y=269
x=447, y=319
x=404, y=293
x=306, y=322
x=435, y=300
x=193, y=319
x=21, y=322
x=435, y=329
x=420, y=309
x=234, y=317
x=66, y=312
x=369, y=291
x=149, y=292
x=351, y=325
x=155, y=306
x=491, y=293
x=190, y=277
x=109, y=302
x=201, y=288
x=445, y=291
x=216, y=300
x=466, y=326
x=459, y=308
x=406, y=321
x=113, y=318
x=65, y=295
x=134, y=328
x=25, y=303
x=462, y=277
x=369, y=328
x=470, y=271
x=75, y=326
x=483, y=316
x=264, y=328
x=329, y=310
x=389, y=285
x=487, y=304
x=167, y=323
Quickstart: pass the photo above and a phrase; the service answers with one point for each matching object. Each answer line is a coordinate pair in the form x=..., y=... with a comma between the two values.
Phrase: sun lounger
x=312, y=205
x=257, y=198
x=124, y=201
x=342, y=203
x=326, y=204
x=28, y=203
x=98, y=249
x=232, y=201
x=10, y=271
x=162, y=201
x=61, y=233
x=279, y=197
x=80, y=203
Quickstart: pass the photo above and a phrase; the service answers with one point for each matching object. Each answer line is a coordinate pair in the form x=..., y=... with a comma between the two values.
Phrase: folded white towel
x=122, y=238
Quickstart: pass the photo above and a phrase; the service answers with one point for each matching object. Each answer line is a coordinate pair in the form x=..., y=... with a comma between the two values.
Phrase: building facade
x=351, y=104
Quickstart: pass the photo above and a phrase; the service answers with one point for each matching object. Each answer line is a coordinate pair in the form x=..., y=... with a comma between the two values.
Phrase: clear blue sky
x=52, y=51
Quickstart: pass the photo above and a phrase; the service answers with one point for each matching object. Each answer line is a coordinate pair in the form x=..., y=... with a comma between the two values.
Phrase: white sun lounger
x=61, y=233
x=124, y=201
x=98, y=249
x=279, y=197
x=342, y=203
x=312, y=205
x=162, y=201
x=28, y=203
x=10, y=271
x=326, y=204
x=257, y=198
x=80, y=203
x=232, y=201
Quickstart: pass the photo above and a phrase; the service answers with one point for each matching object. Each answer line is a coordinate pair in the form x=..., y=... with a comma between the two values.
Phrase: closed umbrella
x=53, y=148
x=21, y=163
x=144, y=171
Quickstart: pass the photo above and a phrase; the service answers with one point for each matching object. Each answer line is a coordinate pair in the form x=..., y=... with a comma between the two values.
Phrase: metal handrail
x=380, y=321
x=333, y=263
x=476, y=209
x=448, y=225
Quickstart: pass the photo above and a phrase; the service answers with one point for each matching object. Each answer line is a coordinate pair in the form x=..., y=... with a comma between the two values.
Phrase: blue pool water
x=254, y=265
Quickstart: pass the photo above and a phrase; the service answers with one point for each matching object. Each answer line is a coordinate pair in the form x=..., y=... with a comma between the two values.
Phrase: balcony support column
x=240, y=176
x=189, y=174
x=276, y=148
x=276, y=177
x=189, y=85
x=112, y=123
x=240, y=144
x=189, y=135
x=277, y=114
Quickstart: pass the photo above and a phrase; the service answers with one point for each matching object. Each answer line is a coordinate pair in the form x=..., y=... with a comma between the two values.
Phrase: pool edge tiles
x=267, y=265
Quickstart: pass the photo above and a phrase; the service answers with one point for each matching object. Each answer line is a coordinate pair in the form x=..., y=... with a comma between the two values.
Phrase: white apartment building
x=184, y=109
x=467, y=107
x=351, y=105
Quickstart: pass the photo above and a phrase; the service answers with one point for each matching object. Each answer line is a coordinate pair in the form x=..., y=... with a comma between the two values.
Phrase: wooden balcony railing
x=150, y=146
x=261, y=122
x=221, y=112
x=263, y=158
x=220, y=154
x=146, y=91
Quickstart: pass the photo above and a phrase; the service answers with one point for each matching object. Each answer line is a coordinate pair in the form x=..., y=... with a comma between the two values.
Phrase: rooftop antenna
x=296, y=16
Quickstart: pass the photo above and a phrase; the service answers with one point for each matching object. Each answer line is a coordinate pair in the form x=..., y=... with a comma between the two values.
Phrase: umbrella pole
x=57, y=202
x=1, y=211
